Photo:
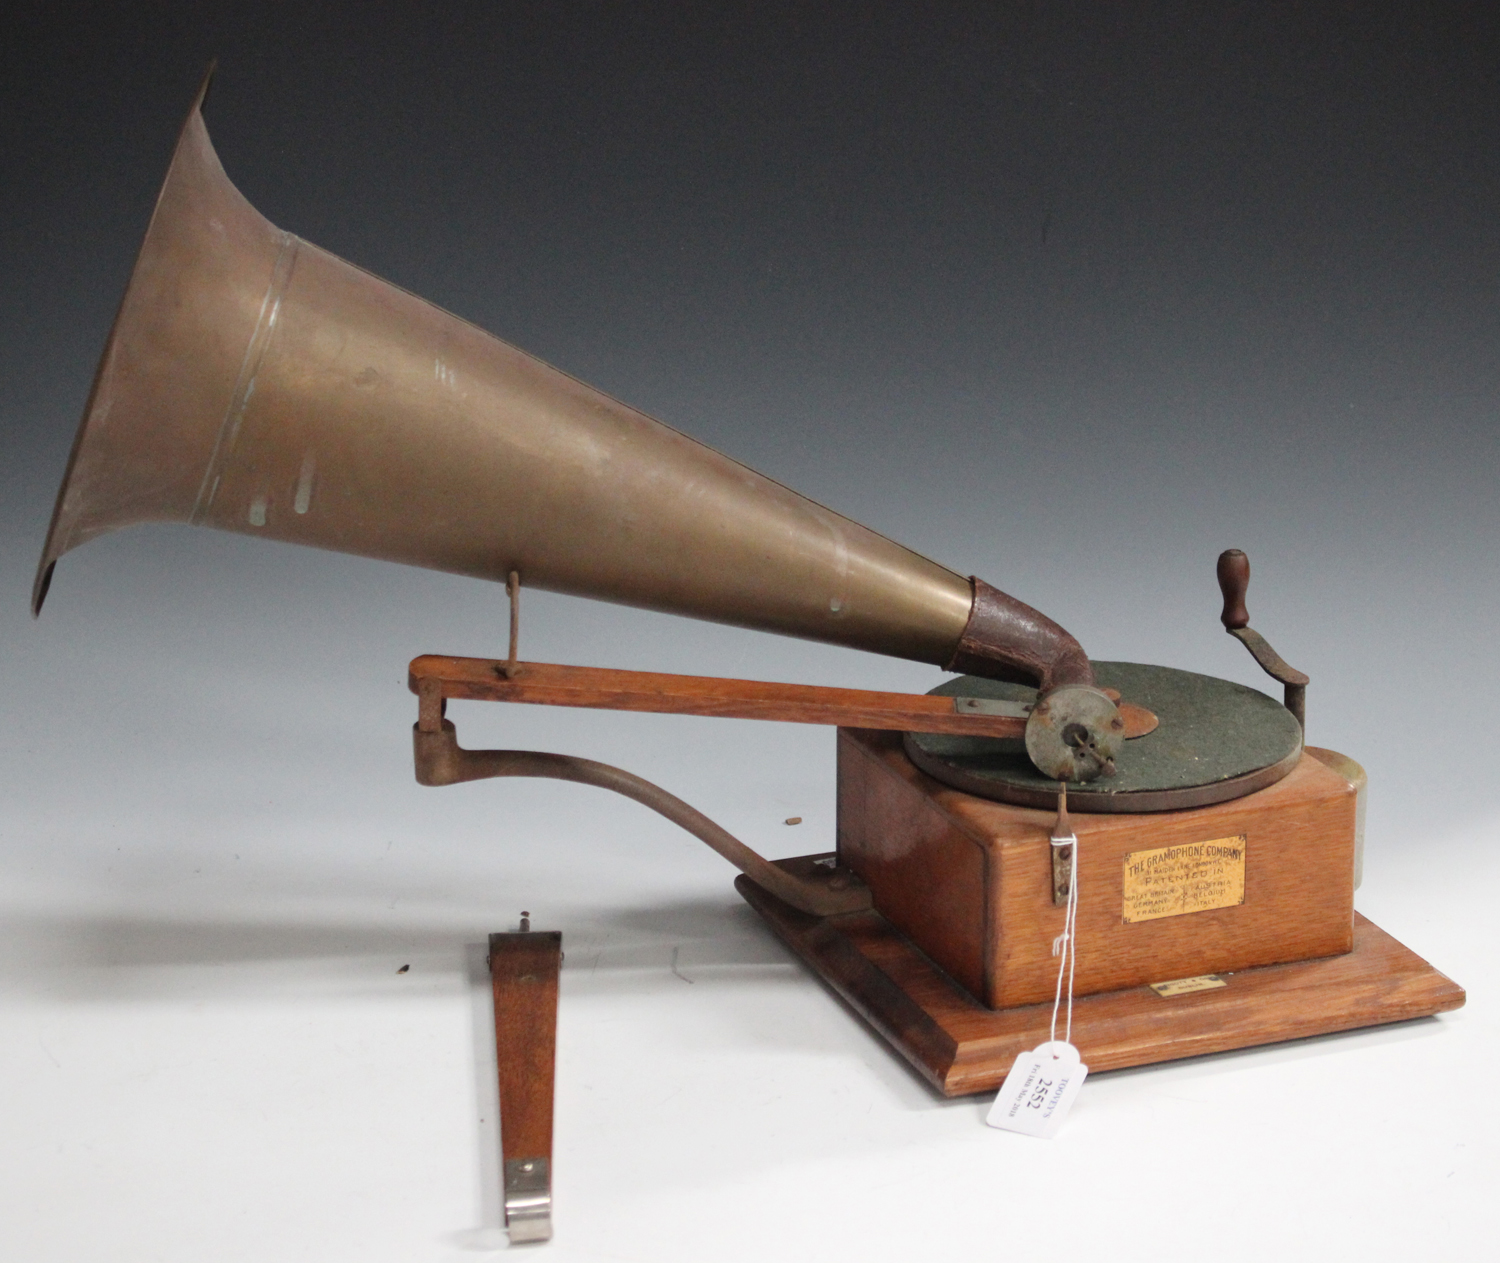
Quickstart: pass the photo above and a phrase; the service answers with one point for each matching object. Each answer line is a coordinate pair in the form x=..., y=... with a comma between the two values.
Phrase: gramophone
x=255, y=383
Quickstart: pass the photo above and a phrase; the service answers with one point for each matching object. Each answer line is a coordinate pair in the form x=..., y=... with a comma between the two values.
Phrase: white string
x=1065, y=944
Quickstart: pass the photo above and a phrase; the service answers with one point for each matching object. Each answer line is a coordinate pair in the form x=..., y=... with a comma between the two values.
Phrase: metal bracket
x=528, y=1200
x=1062, y=870
x=1062, y=841
x=991, y=706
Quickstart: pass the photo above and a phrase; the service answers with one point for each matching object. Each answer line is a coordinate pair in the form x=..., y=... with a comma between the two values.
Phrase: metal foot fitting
x=528, y=1200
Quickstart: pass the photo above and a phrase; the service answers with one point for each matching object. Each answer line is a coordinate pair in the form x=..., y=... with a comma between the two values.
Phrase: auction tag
x=1039, y=1090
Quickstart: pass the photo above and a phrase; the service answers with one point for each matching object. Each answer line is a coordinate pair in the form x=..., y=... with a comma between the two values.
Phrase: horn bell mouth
x=89, y=501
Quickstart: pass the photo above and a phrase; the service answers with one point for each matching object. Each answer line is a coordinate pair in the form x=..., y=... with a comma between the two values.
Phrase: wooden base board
x=961, y=1047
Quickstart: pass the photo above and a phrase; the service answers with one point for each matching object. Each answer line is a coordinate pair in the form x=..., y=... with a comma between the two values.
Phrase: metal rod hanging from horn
x=255, y=383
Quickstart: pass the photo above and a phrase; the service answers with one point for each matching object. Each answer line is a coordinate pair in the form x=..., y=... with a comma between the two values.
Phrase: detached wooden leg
x=523, y=970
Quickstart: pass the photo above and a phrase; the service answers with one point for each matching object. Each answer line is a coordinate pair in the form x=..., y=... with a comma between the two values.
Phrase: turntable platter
x=1216, y=740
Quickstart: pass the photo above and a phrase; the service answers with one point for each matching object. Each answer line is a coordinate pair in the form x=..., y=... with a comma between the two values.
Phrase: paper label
x=1039, y=1091
x=1193, y=877
x=1186, y=986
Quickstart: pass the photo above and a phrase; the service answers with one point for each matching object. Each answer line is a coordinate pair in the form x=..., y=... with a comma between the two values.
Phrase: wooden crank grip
x=1234, y=579
x=524, y=972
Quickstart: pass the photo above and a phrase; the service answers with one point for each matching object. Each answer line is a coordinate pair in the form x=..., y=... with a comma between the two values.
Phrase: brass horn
x=255, y=383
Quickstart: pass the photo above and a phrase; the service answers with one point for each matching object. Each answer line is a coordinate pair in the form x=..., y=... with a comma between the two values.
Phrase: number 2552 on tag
x=1039, y=1091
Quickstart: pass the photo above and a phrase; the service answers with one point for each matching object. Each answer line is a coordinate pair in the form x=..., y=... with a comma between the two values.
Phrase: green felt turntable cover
x=1216, y=740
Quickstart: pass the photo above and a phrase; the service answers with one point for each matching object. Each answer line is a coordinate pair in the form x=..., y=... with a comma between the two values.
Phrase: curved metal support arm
x=442, y=761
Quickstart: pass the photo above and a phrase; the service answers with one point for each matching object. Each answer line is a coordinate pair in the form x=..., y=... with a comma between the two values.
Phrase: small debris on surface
x=794, y=820
x=403, y=969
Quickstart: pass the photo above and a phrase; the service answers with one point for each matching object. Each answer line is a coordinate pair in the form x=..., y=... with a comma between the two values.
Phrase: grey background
x=1068, y=296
